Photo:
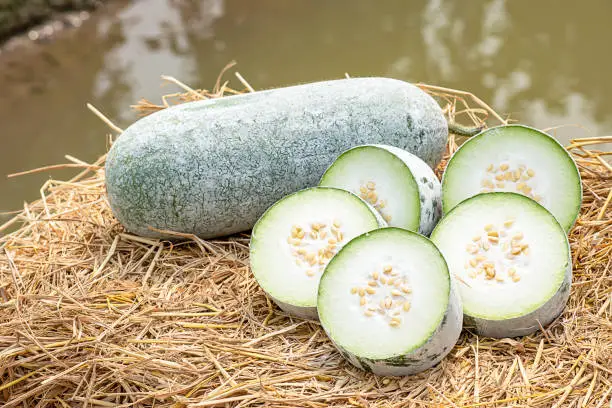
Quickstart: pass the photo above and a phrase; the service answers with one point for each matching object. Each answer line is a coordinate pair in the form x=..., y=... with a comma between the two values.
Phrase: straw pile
x=93, y=316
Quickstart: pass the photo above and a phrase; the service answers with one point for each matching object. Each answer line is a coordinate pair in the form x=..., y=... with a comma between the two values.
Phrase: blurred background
x=545, y=63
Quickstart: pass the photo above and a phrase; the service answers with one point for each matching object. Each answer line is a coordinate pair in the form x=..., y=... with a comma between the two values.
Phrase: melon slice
x=296, y=237
x=387, y=302
x=401, y=186
x=518, y=159
x=511, y=259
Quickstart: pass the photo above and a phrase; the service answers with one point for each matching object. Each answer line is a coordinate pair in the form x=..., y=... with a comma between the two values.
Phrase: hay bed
x=93, y=316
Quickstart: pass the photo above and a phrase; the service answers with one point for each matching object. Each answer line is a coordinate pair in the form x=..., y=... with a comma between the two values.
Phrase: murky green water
x=545, y=63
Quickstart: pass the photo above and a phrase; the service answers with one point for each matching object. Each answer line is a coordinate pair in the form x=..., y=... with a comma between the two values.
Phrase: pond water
x=543, y=63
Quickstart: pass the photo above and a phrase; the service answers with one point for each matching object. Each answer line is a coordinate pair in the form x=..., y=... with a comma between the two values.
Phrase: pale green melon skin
x=211, y=168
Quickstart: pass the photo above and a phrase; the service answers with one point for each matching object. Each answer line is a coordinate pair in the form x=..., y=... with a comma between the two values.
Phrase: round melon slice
x=387, y=302
x=515, y=158
x=296, y=237
x=398, y=184
x=511, y=259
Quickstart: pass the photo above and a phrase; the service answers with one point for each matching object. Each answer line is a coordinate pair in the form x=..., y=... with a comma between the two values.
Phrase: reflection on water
x=544, y=63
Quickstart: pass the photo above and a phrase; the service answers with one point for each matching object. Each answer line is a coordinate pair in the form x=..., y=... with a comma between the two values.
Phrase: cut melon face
x=296, y=237
x=398, y=184
x=511, y=259
x=518, y=159
x=387, y=302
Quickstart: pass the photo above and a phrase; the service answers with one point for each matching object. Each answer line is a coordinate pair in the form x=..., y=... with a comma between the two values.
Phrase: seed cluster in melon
x=386, y=293
x=314, y=245
x=494, y=251
x=504, y=176
x=367, y=191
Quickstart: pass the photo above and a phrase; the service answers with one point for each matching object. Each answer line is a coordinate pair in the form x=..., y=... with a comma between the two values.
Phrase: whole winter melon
x=211, y=168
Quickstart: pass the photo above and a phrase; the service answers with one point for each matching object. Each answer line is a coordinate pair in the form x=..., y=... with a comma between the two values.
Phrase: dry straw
x=93, y=316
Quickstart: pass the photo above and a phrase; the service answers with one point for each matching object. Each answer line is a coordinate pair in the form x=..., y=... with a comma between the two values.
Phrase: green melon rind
x=566, y=223
x=430, y=352
x=430, y=190
x=296, y=308
x=211, y=168
x=533, y=320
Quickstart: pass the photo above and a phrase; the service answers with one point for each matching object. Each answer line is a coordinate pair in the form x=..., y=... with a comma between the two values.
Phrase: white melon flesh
x=515, y=158
x=296, y=237
x=511, y=259
x=402, y=187
x=387, y=302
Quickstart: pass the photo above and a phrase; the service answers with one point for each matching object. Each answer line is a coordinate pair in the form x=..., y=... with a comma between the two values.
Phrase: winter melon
x=296, y=237
x=519, y=159
x=399, y=185
x=511, y=259
x=211, y=168
x=388, y=303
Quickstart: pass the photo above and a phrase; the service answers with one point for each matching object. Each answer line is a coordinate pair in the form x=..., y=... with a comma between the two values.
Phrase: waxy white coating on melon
x=512, y=262
x=399, y=185
x=212, y=167
x=515, y=158
x=296, y=237
x=387, y=302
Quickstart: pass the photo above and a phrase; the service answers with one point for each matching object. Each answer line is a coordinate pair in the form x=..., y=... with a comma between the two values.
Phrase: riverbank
x=23, y=21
